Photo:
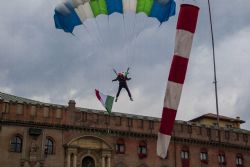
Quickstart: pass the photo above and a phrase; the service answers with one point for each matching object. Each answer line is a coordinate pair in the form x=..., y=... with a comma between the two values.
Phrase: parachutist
x=122, y=78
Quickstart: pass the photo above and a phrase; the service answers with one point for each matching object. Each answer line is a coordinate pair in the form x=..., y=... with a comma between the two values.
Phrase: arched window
x=204, y=156
x=120, y=146
x=16, y=144
x=222, y=158
x=49, y=146
x=239, y=160
x=142, y=149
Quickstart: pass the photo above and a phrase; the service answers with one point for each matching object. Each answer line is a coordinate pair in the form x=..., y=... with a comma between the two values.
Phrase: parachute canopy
x=74, y=12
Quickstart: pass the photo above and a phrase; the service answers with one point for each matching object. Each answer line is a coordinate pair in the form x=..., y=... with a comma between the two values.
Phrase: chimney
x=72, y=105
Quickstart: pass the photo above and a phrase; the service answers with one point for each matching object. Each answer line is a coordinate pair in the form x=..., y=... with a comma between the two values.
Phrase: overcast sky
x=42, y=63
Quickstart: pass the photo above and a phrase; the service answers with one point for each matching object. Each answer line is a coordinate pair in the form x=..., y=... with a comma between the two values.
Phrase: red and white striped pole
x=186, y=26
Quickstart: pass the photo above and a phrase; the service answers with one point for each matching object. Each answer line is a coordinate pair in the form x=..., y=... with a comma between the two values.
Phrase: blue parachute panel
x=114, y=6
x=66, y=18
x=162, y=11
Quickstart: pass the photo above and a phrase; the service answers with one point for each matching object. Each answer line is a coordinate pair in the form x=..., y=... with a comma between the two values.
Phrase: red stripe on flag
x=97, y=94
x=188, y=17
x=178, y=69
x=167, y=121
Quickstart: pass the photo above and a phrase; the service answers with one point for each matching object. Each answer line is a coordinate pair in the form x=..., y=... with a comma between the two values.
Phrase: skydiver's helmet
x=121, y=75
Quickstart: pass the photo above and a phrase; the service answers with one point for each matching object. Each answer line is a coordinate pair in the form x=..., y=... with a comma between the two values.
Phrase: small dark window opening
x=16, y=144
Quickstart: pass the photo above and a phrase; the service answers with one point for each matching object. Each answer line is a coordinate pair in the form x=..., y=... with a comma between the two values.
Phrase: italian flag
x=106, y=100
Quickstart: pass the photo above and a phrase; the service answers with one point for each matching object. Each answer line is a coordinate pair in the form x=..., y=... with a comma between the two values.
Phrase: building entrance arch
x=88, y=162
x=88, y=151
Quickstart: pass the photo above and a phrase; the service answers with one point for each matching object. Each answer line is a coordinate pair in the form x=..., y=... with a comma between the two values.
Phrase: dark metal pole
x=215, y=80
x=174, y=149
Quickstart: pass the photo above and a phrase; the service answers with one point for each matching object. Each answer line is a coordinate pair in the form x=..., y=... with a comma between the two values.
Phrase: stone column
x=68, y=160
x=108, y=163
x=103, y=161
x=75, y=160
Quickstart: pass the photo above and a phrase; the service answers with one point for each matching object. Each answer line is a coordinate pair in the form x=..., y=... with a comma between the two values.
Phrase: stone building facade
x=36, y=134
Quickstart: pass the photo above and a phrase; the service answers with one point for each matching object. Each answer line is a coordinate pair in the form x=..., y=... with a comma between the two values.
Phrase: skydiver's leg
x=118, y=93
x=129, y=94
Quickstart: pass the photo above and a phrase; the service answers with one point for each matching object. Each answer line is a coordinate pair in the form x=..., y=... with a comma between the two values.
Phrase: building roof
x=8, y=97
x=214, y=116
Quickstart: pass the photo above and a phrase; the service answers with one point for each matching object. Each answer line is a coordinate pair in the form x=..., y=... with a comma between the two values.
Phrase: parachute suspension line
x=99, y=33
x=91, y=35
x=125, y=38
x=133, y=30
x=133, y=40
x=109, y=31
x=109, y=48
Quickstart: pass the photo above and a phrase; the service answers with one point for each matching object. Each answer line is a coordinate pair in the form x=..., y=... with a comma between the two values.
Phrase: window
x=237, y=136
x=33, y=111
x=16, y=144
x=190, y=129
x=239, y=160
x=200, y=130
x=227, y=135
x=208, y=132
x=140, y=123
x=204, y=156
x=130, y=122
x=107, y=119
x=49, y=146
x=184, y=152
x=222, y=158
x=245, y=137
x=120, y=146
x=84, y=116
x=142, y=150
x=58, y=113
x=151, y=124
x=46, y=112
x=118, y=121
x=19, y=109
x=97, y=118
x=6, y=107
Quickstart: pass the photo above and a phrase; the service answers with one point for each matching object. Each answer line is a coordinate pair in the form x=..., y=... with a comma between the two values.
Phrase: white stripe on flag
x=183, y=43
x=173, y=95
x=162, y=144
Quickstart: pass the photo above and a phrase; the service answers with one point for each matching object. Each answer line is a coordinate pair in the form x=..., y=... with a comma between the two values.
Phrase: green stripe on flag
x=109, y=103
x=144, y=6
x=98, y=7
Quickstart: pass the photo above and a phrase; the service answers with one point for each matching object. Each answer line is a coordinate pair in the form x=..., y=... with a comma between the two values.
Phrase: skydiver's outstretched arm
x=115, y=79
x=128, y=78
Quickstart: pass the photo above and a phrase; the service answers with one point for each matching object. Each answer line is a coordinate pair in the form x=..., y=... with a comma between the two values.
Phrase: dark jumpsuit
x=122, y=84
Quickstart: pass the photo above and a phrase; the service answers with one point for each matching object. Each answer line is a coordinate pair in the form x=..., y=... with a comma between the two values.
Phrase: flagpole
x=214, y=66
